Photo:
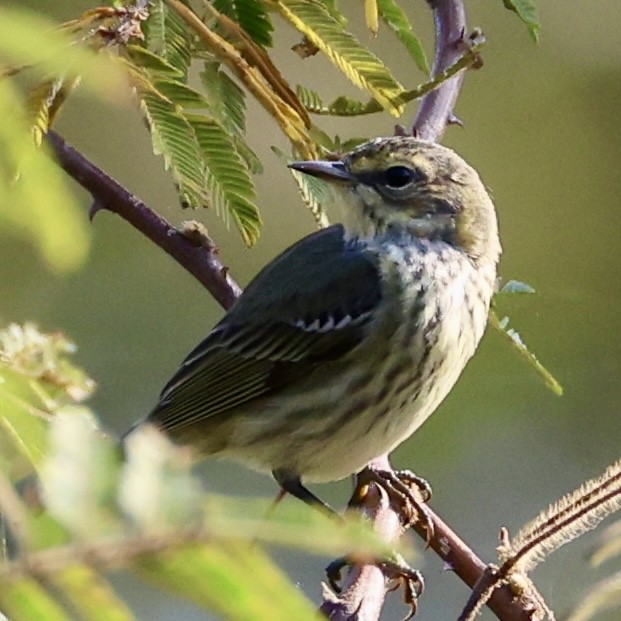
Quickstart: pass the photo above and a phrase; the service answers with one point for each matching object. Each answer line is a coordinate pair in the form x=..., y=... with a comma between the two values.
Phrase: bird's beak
x=324, y=169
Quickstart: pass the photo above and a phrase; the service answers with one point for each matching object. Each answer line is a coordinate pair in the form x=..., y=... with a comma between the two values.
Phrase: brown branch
x=200, y=259
x=436, y=108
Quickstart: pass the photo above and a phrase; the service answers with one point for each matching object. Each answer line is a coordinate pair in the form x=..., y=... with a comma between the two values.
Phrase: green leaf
x=180, y=94
x=228, y=178
x=516, y=342
x=173, y=138
x=143, y=57
x=26, y=600
x=396, y=18
x=36, y=200
x=361, y=66
x=251, y=16
x=167, y=34
x=525, y=9
x=315, y=192
x=44, y=103
x=90, y=594
x=227, y=104
x=243, y=583
x=226, y=99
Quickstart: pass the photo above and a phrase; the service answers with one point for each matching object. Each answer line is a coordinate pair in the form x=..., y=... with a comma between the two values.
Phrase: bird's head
x=402, y=186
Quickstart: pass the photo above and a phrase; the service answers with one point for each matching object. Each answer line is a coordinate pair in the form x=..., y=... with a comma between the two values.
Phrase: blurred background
x=542, y=127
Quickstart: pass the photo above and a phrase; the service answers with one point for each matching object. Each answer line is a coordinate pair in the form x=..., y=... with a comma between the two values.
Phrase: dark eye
x=400, y=176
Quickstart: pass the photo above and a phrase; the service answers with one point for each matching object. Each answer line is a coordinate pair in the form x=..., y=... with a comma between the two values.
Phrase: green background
x=542, y=127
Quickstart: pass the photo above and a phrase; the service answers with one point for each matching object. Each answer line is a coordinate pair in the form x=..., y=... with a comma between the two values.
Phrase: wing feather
x=290, y=319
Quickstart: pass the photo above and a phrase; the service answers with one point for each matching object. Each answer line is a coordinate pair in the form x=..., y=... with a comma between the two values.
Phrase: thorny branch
x=364, y=588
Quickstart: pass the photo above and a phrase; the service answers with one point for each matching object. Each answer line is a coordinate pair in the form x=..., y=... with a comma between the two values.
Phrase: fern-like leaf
x=396, y=19
x=226, y=100
x=251, y=16
x=227, y=176
x=44, y=103
x=361, y=66
x=173, y=139
x=227, y=103
x=168, y=36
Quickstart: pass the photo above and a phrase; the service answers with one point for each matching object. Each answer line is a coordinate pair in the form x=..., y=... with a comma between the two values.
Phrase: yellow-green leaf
x=26, y=600
x=396, y=18
x=525, y=9
x=518, y=345
x=227, y=176
x=360, y=65
x=90, y=594
x=237, y=580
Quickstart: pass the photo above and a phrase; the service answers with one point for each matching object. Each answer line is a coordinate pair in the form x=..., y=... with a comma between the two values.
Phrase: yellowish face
x=404, y=185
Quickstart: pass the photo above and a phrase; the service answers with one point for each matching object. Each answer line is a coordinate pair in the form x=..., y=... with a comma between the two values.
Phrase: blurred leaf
x=36, y=379
x=525, y=9
x=36, y=201
x=243, y=582
x=518, y=345
x=228, y=179
x=396, y=18
x=609, y=545
x=294, y=525
x=516, y=286
x=604, y=595
x=44, y=357
x=90, y=594
x=79, y=475
x=167, y=34
x=157, y=489
x=29, y=40
x=24, y=599
x=251, y=16
x=361, y=66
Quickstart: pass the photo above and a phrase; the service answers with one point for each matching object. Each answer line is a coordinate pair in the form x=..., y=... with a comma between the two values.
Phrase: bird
x=344, y=344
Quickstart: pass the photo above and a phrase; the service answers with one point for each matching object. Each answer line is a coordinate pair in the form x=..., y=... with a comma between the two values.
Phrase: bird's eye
x=400, y=176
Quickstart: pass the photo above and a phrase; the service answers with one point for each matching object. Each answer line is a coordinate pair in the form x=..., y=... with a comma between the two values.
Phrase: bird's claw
x=333, y=572
x=407, y=490
x=395, y=570
x=410, y=579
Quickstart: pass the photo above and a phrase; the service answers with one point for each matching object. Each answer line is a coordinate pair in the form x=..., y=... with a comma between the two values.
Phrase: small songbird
x=343, y=345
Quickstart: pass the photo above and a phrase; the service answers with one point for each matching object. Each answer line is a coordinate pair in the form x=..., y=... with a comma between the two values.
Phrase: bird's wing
x=308, y=306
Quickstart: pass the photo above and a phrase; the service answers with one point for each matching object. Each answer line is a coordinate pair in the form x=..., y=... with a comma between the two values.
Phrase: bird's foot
x=407, y=491
x=397, y=572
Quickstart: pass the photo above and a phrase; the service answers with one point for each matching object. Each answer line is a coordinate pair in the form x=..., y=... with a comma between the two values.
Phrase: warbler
x=343, y=345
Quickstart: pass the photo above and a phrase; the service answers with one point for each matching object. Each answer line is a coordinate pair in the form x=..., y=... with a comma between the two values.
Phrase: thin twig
x=200, y=260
